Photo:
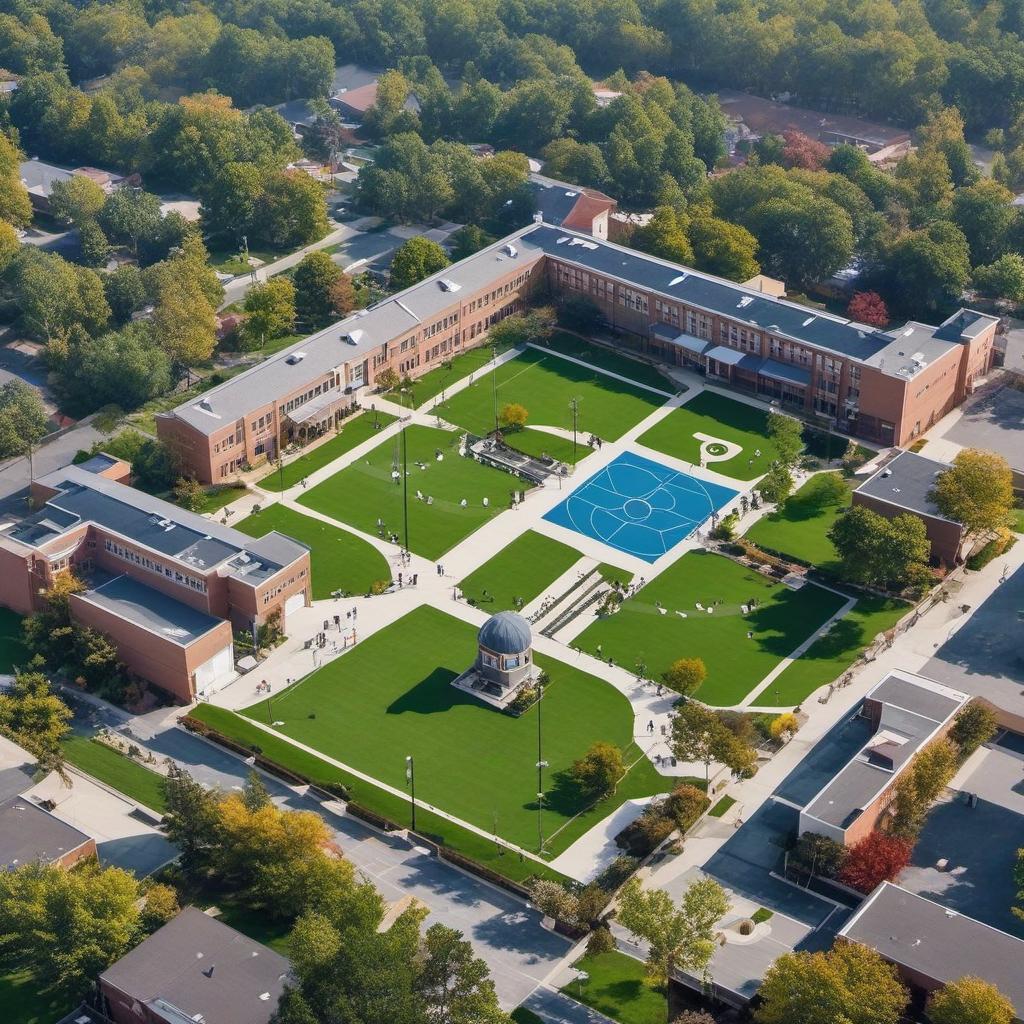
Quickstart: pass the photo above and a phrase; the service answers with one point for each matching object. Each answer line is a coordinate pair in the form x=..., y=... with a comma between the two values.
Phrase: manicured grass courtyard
x=431, y=384
x=23, y=1001
x=354, y=432
x=831, y=655
x=13, y=651
x=606, y=359
x=618, y=986
x=340, y=560
x=640, y=633
x=391, y=697
x=521, y=570
x=115, y=769
x=215, y=498
x=799, y=527
x=545, y=384
x=365, y=492
x=720, y=417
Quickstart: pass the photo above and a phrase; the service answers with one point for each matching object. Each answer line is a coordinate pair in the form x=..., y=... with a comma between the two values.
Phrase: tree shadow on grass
x=430, y=695
x=782, y=626
x=562, y=797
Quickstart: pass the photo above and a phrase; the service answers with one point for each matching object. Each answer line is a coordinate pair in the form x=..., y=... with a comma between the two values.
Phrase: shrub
x=684, y=675
x=974, y=725
x=685, y=804
x=601, y=941
x=646, y=833
x=554, y=900
x=784, y=726
x=817, y=854
x=875, y=859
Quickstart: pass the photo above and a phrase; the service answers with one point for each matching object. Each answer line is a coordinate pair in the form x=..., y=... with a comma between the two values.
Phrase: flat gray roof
x=154, y=611
x=192, y=540
x=913, y=710
x=907, y=481
x=938, y=943
x=28, y=833
x=204, y=969
x=39, y=177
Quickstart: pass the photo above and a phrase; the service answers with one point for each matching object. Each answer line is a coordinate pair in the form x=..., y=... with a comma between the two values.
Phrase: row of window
x=281, y=587
x=176, y=575
x=498, y=292
x=294, y=403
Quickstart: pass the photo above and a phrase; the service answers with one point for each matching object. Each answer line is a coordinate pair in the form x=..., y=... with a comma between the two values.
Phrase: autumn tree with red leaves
x=868, y=308
x=801, y=150
x=875, y=859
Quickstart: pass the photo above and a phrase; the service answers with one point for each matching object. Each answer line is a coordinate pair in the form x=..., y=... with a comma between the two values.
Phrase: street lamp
x=494, y=381
x=574, y=404
x=405, y=468
x=410, y=781
x=541, y=765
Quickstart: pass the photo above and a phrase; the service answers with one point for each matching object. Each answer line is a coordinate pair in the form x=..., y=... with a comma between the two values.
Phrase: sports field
x=641, y=632
x=339, y=559
x=366, y=495
x=519, y=572
x=799, y=527
x=391, y=697
x=719, y=417
x=545, y=384
x=353, y=433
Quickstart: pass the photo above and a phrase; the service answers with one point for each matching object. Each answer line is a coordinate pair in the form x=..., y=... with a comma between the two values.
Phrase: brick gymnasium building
x=166, y=586
x=884, y=386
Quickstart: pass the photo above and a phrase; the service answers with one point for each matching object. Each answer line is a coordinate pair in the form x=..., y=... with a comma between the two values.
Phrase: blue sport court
x=640, y=507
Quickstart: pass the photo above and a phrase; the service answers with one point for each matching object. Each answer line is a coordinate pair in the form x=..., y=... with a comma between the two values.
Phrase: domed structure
x=506, y=633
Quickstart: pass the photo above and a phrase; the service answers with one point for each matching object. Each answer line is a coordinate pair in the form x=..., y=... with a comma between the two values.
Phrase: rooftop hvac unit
x=295, y=357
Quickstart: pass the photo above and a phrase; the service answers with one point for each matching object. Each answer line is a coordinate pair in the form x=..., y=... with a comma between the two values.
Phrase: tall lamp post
x=494, y=381
x=541, y=765
x=574, y=404
x=405, y=470
x=410, y=781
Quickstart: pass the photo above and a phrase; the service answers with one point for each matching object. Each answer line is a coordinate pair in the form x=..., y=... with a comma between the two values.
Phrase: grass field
x=23, y=1003
x=340, y=560
x=391, y=697
x=355, y=431
x=430, y=385
x=365, y=492
x=719, y=417
x=116, y=770
x=618, y=986
x=217, y=497
x=827, y=658
x=782, y=620
x=12, y=648
x=799, y=526
x=544, y=385
x=606, y=359
x=521, y=570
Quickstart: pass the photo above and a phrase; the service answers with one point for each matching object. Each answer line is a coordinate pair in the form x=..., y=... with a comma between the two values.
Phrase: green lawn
x=23, y=1003
x=721, y=807
x=521, y=570
x=217, y=497
x=1018, y=519
x=618, y=986
x=256, y=924
x=430, y=385
x=545, y=384
x=354, y=432
x=365, y=492
x=720, y=417
x=116, y=770
x=782, y=620
x=798, y=528
x=395, y=808
x=12, y=647
x=830, y=656
x=340, y=560
x=391, y=697
x=606, y=359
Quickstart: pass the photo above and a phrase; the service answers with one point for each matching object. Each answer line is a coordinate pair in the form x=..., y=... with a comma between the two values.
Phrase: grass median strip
x=117, y=770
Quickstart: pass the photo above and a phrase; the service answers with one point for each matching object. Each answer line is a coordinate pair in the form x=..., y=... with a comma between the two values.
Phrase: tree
x=664, y=235
x=970, y=1001
x=55, y=297
x=129, y=213
x=875, y=859
x=598, y=771
x=453, y=983
x=342, y=295
x=554, y=900
x=699, y=734
x=786, y=434
x=783, y=727
x=15, y=205
x=293, y=209
x=722, y=248
x=68, y=926
x=270, y=310
x=161, y=905
x=95, y=247
x=35, y=717
x=192, y=822
x=414, y=260
x=974, y=725
x=984, y=213
x=685, y=675
x=977, y=491
x=23, y=420
x=868, y=308
x=1018, y=878
x=513, y=416
x=777, y=484
x=850, y=983
x=387, y=379
x=314, y=278
x=77, y=200
x=255, y=795
x=919, y=787
x=875, y=550
x=189, y=493
x=468, y=240
x=816, y=854
x=679, y=938
x=125, y=292
x=1002, y=279
x=184, y=321
x=928, y=268
x=800, y=150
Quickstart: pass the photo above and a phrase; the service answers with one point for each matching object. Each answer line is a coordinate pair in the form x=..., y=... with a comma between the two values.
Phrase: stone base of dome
x=483, y=689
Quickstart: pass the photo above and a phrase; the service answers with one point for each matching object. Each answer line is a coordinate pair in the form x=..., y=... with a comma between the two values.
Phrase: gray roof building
x=195, y=968
x=907, y=481
x=28, y=833
x=932, y=945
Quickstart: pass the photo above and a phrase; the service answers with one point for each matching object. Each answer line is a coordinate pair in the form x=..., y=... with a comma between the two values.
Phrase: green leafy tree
x=599, y=770
x=23, y=420
x=95, y=247
x=876, y=550
x=977, y=490
x=189, y=493
x=786, y=434
x=664, y=235
x=928, y=268
x=468, y=240
x=984, y=213
x=685, y=675
x=129, y=213
x=970, y=1000
x=294, y=210
x=849, y=983
x=15, y=206
x=35, y=717
x=184, y=321
x=679, y=938
x=974, y=725
x=919, y=787
x=719, y=247
x=315, y=276
x=192, y=823
x=777, y=484
x=270, y=310
x=77, y=200
x=125, y=292
x=1003, y=278
x=454, y=983
x=414, y=260
x=56, y=297
x=699, y=734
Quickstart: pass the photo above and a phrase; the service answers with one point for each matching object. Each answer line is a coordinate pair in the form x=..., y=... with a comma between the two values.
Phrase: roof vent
x=810, y=320
x=677, y=280
x=448, y=285
x=204, y=403
x=353, y=337
x=745, y=301
x=295, y=357
x=886, y=472
x=511, y=250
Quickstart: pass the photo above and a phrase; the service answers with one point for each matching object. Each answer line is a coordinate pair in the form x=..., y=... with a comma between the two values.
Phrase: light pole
x=405, y=471
x=410, y=781
x=541, y=765
x=574, y=404
x=494, y=381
